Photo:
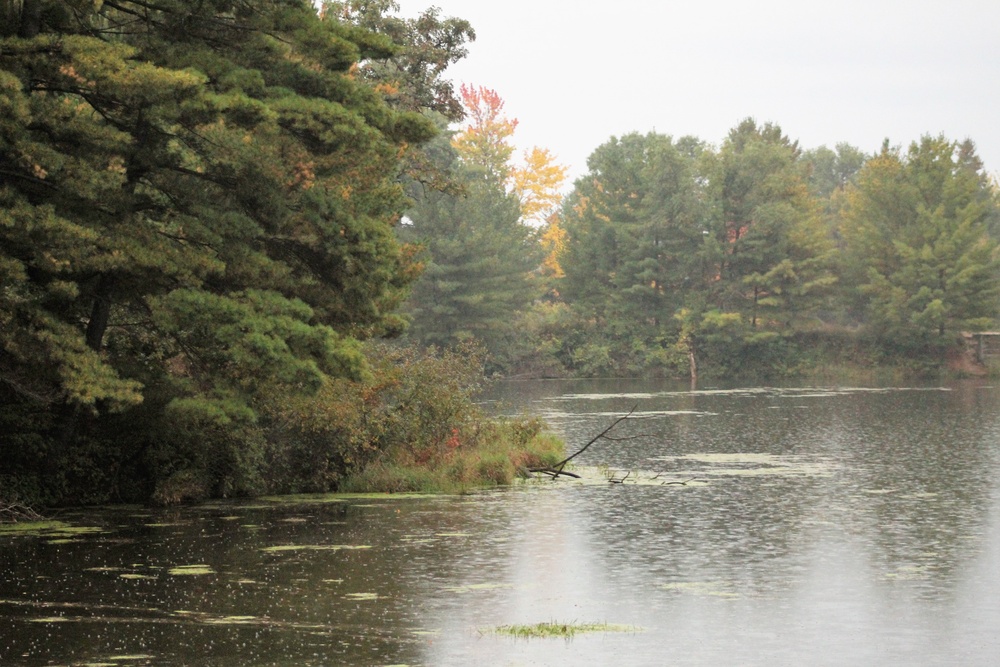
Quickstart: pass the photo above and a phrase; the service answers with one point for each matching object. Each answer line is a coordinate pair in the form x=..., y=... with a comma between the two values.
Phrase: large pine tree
x=196, y=211
x=920, y=258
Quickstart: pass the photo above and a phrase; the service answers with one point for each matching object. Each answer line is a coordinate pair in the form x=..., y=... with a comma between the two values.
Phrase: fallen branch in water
x=557, y=469
x=15, y=512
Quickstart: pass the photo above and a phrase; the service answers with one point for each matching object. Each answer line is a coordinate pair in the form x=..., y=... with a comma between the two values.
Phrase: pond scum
x=561, y=630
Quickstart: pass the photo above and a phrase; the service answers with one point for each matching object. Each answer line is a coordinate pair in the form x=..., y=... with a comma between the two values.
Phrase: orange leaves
x=303, y=175
x=485, y=141
x=484, y=108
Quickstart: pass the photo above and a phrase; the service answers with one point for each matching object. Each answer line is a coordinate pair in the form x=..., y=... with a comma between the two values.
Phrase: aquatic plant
x=555, y=629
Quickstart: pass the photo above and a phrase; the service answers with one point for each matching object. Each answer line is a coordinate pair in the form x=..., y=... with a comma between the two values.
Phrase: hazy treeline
x=754, y=258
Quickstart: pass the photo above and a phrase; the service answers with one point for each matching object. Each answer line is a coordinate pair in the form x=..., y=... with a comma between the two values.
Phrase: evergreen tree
x=633, y=228
x=197, y=207
x=767, y=253
x=479, y=255
x=919, y=254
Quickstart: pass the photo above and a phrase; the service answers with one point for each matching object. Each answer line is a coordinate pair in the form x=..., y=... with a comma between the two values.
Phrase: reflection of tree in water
x=907, y=471
x=923, y=465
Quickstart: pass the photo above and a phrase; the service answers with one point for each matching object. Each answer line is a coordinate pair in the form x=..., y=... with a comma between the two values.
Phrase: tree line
x=755, y=258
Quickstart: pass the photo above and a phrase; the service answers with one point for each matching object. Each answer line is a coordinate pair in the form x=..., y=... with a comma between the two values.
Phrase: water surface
x=752, y=526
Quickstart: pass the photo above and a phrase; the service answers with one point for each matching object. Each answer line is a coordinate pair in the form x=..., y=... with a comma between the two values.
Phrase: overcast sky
x=577, y=73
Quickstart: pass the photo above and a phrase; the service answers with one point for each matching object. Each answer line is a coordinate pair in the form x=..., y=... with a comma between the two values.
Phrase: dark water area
x=747, y=526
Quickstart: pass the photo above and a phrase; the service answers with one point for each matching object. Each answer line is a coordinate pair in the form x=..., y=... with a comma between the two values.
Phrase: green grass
x=494, y=453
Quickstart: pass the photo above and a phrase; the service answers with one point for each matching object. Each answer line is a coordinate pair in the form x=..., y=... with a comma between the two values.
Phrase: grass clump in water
x=412, y=425
x=562, y=630
x=486, y=454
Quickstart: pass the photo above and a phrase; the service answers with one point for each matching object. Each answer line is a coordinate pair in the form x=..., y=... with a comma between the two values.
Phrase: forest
x=263, y=247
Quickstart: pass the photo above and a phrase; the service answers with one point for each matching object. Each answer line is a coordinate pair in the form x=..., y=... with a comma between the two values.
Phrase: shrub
x=411, y=424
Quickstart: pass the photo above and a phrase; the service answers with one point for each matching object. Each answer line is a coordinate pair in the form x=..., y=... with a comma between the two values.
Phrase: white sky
x=577, y=73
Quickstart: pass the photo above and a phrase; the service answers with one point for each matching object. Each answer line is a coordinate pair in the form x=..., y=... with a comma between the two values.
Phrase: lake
x=724, y=526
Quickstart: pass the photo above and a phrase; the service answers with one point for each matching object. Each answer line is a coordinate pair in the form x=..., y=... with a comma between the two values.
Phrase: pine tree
x=197, y=211
x=634, y=227
x=768, y=253
x=919, y=253
x=480, y=256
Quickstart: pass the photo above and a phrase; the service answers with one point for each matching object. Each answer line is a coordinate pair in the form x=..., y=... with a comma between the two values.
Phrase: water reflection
x=834, y=527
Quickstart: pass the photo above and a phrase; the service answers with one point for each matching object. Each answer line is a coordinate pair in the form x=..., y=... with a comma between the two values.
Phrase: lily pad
x=476, y=587
x=137, y=656
x=57, y=529
x=719, y=589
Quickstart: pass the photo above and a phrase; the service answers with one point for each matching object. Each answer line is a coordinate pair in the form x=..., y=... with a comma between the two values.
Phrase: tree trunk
x=30, y=17
x=693, y=361
x=100, y=316
x=10, y=17
x=100, y=313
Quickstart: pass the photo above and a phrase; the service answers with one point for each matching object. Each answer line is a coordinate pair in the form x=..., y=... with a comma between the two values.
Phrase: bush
x=412, y=424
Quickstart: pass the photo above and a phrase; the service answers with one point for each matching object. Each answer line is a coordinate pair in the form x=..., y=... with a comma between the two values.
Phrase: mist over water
x=750, y=526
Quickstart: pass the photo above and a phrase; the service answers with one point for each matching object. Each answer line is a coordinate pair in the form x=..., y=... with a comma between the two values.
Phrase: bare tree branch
x=557, y=469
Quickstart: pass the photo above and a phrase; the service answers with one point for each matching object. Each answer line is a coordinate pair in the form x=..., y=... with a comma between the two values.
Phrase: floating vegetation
x=362, y=596
x=320, y=498
x=167, y=524
x=909, y=573
x=314, y=547
x=52, y=529
x=561, y=630
x=130, y=658
x=743, y=464
x=138, y=656
x=604, y=475
x=191, y=570
x=232, y=620
x=750, y=392
x=721, y=589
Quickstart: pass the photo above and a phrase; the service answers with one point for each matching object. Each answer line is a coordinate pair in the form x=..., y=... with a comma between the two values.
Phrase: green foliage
x=410, y=73
x=766, y=244
x=196, y=213
x=919, y=252
x=478, y=259
x=410, y=426
x=665, y=238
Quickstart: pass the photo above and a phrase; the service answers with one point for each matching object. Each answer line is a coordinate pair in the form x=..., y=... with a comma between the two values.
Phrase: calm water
x=753, y=527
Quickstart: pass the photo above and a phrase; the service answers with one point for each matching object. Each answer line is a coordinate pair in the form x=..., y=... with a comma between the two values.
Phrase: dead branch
x=557, y=469
x=13, y=512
